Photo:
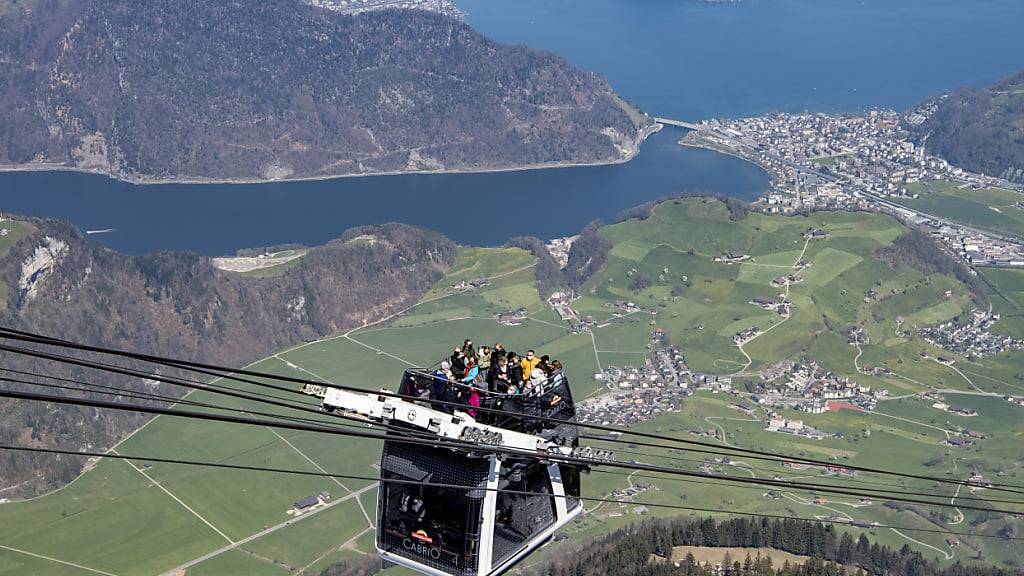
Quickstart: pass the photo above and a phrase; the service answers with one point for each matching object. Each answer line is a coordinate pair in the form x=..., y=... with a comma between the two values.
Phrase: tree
x=844, y=555
x=640, y=282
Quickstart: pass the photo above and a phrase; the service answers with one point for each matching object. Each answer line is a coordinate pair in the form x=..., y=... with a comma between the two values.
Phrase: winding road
x=750, y=360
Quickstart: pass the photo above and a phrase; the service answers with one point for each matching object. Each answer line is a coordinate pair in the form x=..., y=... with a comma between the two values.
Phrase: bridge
x=679, y=123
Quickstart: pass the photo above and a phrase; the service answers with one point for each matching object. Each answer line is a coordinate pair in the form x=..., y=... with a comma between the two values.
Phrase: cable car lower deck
x=440, y=512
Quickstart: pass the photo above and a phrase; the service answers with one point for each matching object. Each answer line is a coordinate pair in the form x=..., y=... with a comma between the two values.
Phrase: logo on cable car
x=420, y=542
x=555, y=399
x=422, y=536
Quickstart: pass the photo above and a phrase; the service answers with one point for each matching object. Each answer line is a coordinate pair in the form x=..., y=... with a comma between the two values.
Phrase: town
x=972, y=338
x=637, y=394
x=855, y=162
x=805, y=386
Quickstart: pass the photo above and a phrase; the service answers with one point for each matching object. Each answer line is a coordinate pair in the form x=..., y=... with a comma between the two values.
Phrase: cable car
x=452, y=510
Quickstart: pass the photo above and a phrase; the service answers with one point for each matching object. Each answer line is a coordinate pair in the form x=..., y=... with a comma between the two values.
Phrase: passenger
x=545, y=364
x=467, y=348
x=417, y=388
x=483, y=362
x=537, y=379
x=412, y=505
x=472, y=371
x=458, y=362
x=515, y=373
x=474, y=402
x=530, y=362
x=556, y=371
x=501, y=380
x=440, y=383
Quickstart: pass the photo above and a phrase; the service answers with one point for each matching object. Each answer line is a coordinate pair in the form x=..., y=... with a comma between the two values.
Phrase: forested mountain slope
x=981, y=130
x=57, y=282
x=204, y=89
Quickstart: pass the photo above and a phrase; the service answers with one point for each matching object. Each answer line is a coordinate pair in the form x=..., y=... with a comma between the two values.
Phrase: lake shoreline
x=218, y=219
x=642, y=136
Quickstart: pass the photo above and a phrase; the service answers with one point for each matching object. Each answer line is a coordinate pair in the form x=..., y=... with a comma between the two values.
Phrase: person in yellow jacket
x=529, y=362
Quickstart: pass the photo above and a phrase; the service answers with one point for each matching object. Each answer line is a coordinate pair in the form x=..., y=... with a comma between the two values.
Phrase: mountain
x=61, y=283
x=980, y=130
x=212, y=90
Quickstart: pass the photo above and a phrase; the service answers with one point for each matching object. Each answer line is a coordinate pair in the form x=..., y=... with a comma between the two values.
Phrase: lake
x=691, y=60
x=684, y=59
x=480, y=209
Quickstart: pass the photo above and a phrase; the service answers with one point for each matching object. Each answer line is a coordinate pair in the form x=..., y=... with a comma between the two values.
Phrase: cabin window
x=519, y=517
x=571, y=484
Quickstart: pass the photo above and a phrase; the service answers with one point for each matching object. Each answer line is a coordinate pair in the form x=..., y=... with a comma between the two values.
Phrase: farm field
x=216, y=521
x=991, y=209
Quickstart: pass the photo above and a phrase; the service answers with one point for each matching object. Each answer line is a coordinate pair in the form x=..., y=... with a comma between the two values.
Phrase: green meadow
x=991, y=208
x=129, y=518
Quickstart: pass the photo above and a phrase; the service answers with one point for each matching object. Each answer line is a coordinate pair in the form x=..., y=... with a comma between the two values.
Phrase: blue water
x=692, y=60
x=480, y=209
x=684, y=59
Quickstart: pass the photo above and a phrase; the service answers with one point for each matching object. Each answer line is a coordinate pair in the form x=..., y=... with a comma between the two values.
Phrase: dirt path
x=962, y=375
x=943, y=430
x=270, y=530
x=178, y=500
x=947, y=555
x=346, y=544
x=48, y=558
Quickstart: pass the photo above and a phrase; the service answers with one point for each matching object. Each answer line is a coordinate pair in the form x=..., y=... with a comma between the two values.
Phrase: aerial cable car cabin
x=452, y=510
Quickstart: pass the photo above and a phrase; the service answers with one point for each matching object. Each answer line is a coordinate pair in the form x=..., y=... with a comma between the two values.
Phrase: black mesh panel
x=438, y=527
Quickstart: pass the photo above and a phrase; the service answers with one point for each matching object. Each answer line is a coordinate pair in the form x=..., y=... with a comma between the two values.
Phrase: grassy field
x=10, y=232
x=717, y=555
x=992, y=209
x=129, y=520
x=273, y=271
x=1006, y=292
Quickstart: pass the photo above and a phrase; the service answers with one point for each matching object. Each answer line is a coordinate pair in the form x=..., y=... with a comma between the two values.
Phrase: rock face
x=213, y=90
x=37, y=264
x=179, y=305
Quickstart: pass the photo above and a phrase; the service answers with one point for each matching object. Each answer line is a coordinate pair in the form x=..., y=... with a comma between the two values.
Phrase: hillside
x=704, y=546
x=207, y=90
x=177, y=304
x=980, y=130
x=861, y=273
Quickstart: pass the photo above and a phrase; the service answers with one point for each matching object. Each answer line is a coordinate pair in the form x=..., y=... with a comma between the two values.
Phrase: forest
x=643, y=551
x=178, y=305
x=980, y=130
x=201, y=89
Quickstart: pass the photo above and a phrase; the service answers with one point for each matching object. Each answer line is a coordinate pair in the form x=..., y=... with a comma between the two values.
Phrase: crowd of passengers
x=493, y=370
